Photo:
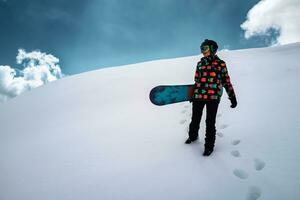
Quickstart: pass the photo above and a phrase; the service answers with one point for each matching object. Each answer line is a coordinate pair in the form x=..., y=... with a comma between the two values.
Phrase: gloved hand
x=233, y=101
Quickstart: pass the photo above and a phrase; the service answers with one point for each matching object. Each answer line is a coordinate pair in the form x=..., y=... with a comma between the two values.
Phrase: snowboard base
x=168, y=94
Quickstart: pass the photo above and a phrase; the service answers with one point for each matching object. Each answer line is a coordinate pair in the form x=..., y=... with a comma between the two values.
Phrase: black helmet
x=213, y=46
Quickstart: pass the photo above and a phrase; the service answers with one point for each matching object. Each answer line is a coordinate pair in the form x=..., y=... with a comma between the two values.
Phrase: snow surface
x=96, y=135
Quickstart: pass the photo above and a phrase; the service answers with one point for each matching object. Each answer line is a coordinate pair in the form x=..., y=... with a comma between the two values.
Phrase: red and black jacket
x=210, y=77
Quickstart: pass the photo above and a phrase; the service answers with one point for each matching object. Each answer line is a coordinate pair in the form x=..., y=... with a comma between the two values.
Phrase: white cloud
x=225, y=48
x=279, y=15
x=39, y=68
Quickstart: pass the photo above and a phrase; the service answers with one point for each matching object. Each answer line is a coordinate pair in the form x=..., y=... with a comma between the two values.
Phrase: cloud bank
x=277, y=15
x=38, y=69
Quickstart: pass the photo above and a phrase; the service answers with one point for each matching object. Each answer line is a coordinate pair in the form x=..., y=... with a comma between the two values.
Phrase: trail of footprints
x=254, y=192
x=184, y=111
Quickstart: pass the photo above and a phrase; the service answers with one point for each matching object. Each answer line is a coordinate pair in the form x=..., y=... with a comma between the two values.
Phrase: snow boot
x=189, y=140
x=208, y=151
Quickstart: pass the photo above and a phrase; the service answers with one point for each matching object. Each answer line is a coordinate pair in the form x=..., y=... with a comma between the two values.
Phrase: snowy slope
x=96, y=135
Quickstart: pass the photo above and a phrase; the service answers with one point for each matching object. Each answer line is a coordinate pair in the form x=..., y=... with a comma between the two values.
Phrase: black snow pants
x=211, y=112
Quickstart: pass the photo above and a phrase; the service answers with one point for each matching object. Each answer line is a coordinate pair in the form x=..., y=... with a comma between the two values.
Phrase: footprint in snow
x=254, y=193
x=219, y=115
x=235, y=153
x=183, y=121
x=186, y=106
x=223, y=126
x=259, y=164
x=220, y=134
x=183, y=111
x=240, y=173
x=235, y=142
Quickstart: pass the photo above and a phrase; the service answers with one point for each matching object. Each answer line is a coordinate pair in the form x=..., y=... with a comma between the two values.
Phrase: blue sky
x=45, y=40
x=88, y=35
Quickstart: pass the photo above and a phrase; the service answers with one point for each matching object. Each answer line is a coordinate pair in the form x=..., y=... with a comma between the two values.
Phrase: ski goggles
x=204, y=48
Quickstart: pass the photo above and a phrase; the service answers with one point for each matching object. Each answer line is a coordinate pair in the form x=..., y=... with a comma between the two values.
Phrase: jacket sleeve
x=225, y=78
x=197, y=73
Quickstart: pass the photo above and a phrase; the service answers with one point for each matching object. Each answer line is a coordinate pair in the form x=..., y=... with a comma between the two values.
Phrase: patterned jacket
x=210, y=78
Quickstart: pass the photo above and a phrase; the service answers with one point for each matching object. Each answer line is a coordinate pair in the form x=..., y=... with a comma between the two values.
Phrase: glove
x=233, y=101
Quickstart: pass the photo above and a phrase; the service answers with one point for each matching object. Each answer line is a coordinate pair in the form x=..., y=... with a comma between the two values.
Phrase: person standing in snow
x=210, y=78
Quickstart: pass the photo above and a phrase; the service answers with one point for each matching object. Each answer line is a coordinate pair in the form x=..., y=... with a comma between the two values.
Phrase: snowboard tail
x=168, y=94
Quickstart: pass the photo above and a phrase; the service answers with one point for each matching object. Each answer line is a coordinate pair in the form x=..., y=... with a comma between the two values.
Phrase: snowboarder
x=210, y=77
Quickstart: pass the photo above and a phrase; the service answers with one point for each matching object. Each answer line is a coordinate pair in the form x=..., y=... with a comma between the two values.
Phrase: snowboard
x=168, y=94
